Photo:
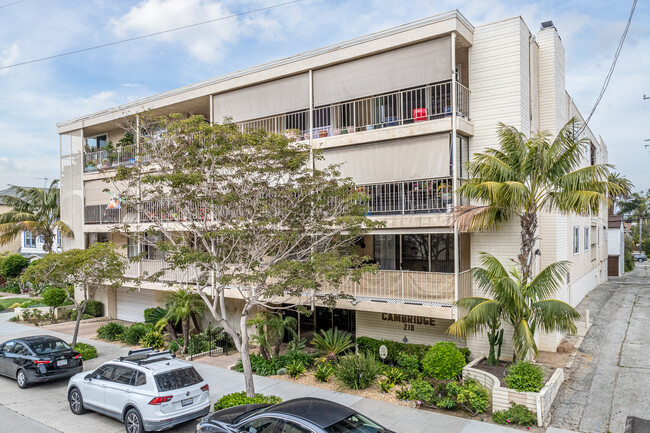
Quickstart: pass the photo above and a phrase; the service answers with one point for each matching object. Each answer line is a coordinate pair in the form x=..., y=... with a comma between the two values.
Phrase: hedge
x=240, y=398
x=395, y=348
x=87, y=351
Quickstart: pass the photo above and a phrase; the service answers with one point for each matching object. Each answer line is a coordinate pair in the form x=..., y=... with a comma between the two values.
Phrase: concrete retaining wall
x=539, y=402
x=58, y=312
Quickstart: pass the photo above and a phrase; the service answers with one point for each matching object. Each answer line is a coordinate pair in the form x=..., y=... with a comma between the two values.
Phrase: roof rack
x=147, y=354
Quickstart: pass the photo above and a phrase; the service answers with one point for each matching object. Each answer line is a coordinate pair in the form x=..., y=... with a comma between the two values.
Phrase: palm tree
x=524, y=305
x=625, y=188
x=637, y=207
x=181, y=305
x=525, y=175
x=34, y=210
x=271, y=328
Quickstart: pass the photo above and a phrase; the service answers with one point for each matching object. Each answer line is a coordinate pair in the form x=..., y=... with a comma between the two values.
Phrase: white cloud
x=205, y=42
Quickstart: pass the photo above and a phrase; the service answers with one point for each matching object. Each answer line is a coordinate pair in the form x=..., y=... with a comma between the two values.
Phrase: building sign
x=383, y=351
x=408, y=321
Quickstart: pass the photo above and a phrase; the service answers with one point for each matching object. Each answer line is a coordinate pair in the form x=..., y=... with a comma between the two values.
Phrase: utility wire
x=9, y=4
x=611, y=69
x=146, y=36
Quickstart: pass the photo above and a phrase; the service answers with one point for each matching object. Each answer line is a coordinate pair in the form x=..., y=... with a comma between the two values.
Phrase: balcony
x=103, y=159
x=98, y=214
x=392, y=287
x=382, y=111
x=411, y=197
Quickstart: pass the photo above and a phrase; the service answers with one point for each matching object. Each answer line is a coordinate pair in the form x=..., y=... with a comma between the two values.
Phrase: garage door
x=131, y=304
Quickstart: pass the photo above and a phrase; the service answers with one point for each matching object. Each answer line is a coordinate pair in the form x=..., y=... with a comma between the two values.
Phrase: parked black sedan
x=301, y=415
x=38, y=358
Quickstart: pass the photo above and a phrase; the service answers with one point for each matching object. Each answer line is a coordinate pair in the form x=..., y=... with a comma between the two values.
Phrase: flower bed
x=538, y=402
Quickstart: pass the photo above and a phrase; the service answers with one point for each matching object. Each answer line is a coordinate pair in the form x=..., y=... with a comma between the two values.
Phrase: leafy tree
x=83, y=270
x=637, y=207
x=525, y=175
x=181, y=305
x=271, y=328
x=250, y=214
x=35, y=210
x=524, y=305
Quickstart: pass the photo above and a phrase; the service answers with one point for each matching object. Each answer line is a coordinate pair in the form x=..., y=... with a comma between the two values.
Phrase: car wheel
x=133, y=422
x=21, y=379
x=76, y=402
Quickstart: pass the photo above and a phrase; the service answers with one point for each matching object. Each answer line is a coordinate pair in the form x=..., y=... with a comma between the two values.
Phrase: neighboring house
x=615, y=246
x=29, y=246
x=403, y=109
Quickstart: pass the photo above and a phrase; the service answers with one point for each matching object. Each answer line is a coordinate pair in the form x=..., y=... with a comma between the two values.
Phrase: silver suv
x=147, y=390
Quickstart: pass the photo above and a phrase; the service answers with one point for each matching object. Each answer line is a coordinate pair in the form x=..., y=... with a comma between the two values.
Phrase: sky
x=34, y=97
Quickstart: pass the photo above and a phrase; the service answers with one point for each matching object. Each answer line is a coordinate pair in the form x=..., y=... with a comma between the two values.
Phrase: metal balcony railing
x=102, y=159
x=410, y=197
x=381, y=111
x=98, y=214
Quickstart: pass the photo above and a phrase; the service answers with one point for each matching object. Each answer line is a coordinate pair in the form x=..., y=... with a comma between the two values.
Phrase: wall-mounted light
x=405, y=340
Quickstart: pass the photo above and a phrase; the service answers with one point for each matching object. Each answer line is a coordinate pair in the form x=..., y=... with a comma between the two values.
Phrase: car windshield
x=176, y=379
x=49, y=346
x=355, y=423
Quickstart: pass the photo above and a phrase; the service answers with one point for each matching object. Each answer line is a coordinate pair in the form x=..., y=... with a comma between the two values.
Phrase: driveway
x=610, y=378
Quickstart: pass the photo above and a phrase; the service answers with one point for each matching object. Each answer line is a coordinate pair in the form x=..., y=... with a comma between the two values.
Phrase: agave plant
x=332, y=342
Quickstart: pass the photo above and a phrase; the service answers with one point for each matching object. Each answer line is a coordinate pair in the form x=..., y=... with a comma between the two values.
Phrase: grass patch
x=7, y=302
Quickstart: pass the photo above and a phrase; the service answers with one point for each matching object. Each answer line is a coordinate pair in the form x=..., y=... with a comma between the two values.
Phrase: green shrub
x=295, y=368
x=134, y=333
x=466, y=353
x=357, y=371
x=72, y=315
x=324, y=371
x=14, y=319
x=473, y=397
x=11, y=289
x=395, y=349
x=95, y=308
x=405, y=393
x=54, y=296
x=305, y=359
x=173, y=347
x=153, y=339
x=297, y=345
x=386, y=385
x=240, y=398
x=13, y=265
x=153, y=315
x=443, y=361
x=264, y=367
x=112, y=331
x=525, y=377
x=333, y=342
x=410, y=365
x=87, y=351
x=516, y=414
x=395, y=375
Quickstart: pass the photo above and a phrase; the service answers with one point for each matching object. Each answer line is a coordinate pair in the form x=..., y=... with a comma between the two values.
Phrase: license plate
x=61, y=362
x=187, y=401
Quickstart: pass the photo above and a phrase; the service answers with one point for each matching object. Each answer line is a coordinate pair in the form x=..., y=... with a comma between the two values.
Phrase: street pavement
x=610, y=378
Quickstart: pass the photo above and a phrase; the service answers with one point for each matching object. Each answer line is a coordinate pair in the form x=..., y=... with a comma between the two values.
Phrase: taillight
x=41, y=361
x=77, y=356
x=205, y=388
x=158, y=400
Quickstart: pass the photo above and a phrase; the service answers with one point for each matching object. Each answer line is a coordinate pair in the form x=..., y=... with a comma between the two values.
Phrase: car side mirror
x=88, y=377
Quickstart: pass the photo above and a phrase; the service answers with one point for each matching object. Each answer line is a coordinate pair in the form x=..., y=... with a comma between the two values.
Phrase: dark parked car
x=302, y=415
x=38, y=358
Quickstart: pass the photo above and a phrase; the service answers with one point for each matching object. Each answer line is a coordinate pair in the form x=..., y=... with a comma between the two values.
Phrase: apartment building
x=402, y=110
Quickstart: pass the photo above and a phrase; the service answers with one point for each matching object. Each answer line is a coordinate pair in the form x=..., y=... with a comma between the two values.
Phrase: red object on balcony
x=420, y=114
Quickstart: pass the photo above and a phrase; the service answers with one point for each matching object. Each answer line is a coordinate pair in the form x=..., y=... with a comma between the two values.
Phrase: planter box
x=58, y=312
x=539, y=402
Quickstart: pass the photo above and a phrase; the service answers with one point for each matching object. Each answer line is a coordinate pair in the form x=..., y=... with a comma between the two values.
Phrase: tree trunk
x=245, y=358
x=185, y=323
x=172, y=332
x=195, y=321
x=80, y=310
x=528, y=223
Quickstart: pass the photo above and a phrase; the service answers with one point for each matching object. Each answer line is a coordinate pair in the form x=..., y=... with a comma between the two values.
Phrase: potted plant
x=322, y=133
x=444, y=192
x=336, y=131
x=292, y=134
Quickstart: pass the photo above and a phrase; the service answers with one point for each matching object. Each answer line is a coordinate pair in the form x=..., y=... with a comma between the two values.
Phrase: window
x=593, y=154
x=586, y=238
x=260, y=425
x=177, y=379
x=355, y=423
x=122, y=375
x=30, y=240
x=141, y=379
x=58, y=238
x=104, y=372
x=576, y=240
x=8, y=346
x=48, y=346
x=132, y=248
x=292, y=427
x=95, y=144
x=20, y=349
